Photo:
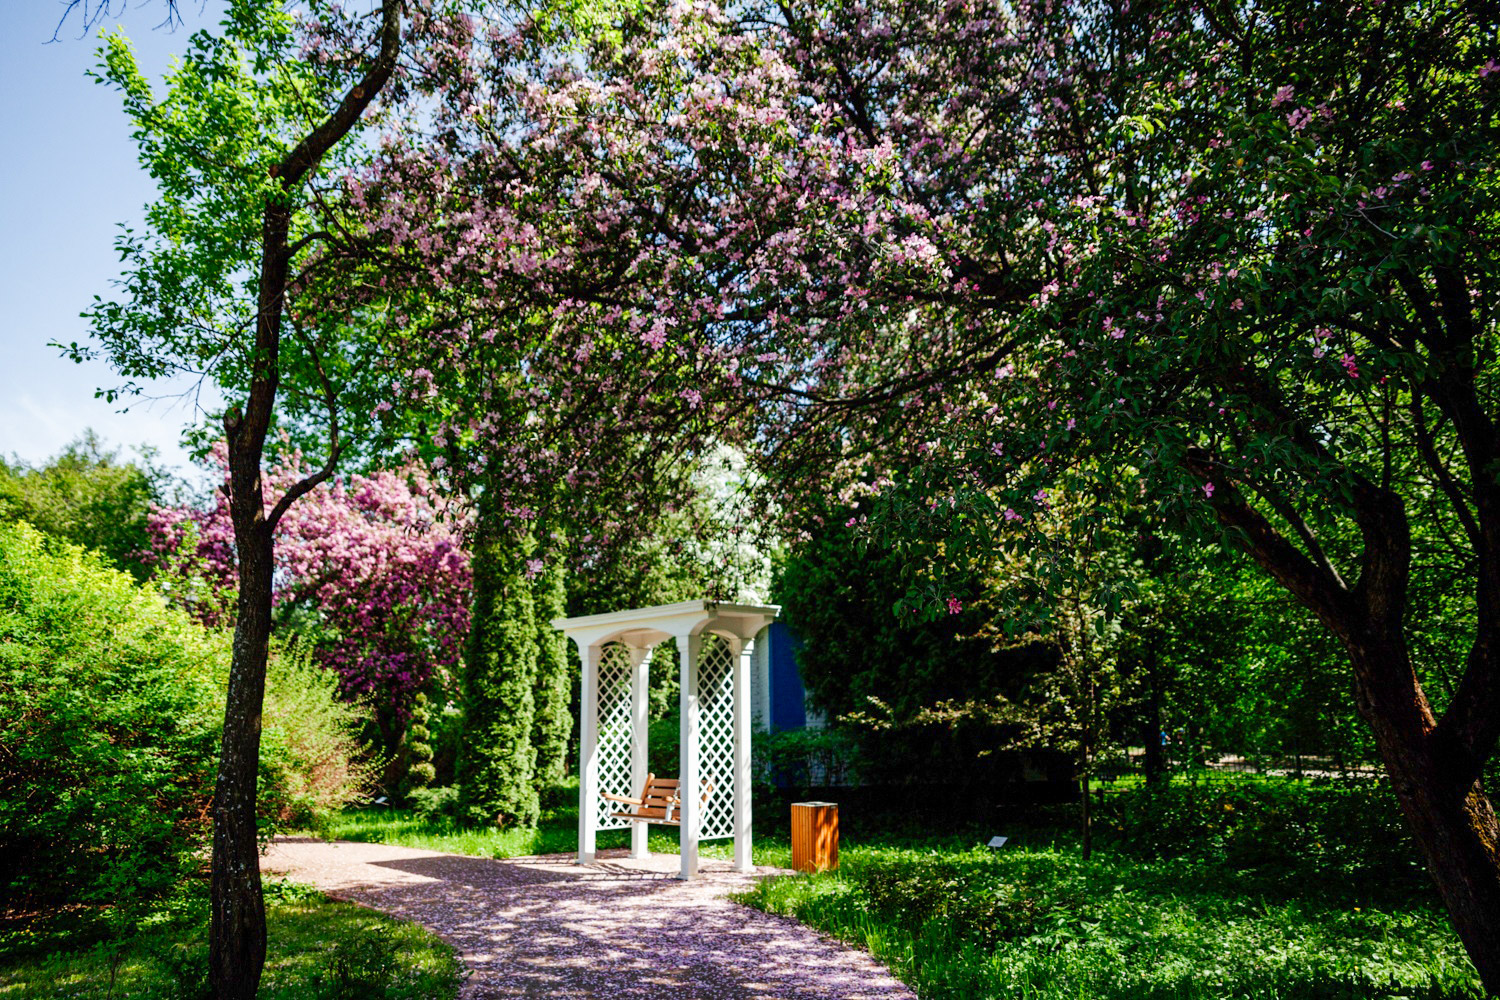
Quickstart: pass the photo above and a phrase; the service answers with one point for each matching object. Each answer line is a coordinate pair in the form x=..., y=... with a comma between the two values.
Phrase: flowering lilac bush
x=369, y=566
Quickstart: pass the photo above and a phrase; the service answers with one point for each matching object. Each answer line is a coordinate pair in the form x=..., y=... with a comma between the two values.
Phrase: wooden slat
x=660, y=798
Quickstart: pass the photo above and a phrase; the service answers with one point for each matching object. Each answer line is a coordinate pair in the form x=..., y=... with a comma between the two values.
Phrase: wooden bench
x=659, y=802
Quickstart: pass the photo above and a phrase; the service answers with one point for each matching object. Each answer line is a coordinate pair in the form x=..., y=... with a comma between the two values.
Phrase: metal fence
x=1128, y=767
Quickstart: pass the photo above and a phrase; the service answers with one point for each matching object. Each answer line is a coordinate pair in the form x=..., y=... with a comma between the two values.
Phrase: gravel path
x=546, y=927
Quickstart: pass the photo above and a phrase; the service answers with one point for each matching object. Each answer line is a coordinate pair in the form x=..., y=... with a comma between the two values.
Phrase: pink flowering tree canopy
x=949, y=261
x=371, y=568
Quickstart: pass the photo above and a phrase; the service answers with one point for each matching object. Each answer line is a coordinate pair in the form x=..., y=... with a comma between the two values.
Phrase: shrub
x=108, y=726
x=497, y=761
x=1348, y=827
x=312, y=762
x=431, y=803
x=110, y=715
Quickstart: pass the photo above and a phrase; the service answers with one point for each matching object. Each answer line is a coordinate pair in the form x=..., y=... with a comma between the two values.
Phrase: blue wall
x=787, y=693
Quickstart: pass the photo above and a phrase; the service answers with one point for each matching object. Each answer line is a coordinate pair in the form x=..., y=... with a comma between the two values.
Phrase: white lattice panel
x=614, y=734
x=716, y=736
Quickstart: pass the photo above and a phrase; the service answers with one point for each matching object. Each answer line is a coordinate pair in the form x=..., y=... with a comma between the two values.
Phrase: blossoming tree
x=373, y=567
x=1240, y=259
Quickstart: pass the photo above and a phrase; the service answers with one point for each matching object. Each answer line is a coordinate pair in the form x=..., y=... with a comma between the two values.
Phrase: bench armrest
x=620, y=798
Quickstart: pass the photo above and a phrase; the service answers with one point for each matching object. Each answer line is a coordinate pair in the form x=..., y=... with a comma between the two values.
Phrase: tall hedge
x=497, y=761
x=553, y=726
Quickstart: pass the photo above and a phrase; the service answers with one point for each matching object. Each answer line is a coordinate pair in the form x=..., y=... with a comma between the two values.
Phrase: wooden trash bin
x=815, y=836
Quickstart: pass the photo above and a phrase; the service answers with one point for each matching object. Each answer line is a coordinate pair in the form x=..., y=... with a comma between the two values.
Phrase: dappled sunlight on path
x=619, y=928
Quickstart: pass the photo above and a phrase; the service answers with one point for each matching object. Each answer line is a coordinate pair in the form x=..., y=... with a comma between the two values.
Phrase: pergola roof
x=648, y=626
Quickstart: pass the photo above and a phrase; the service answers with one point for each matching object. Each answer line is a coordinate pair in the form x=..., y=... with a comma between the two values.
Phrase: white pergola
x=714, y=645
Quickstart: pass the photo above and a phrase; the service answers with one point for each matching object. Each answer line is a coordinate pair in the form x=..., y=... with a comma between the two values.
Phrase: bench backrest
x=659, y=799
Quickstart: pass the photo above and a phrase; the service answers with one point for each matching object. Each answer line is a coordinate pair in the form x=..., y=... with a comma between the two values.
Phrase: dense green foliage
x=1039, y=924
x=319, y=950
x=1204, y=650
x=497, y=761
x=838, y=595
x=1348, y=831
x=312, y=762
x=108, y=719
x=553, y=725
x=88, y=496
x=109, y=724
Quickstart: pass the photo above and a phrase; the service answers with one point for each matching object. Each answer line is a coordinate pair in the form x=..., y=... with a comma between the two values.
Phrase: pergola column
x=742, y=664
x=588, y=753
x=690, y=790
x=640, y=733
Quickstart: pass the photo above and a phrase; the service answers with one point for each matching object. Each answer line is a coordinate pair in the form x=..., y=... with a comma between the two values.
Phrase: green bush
x=1345, y=827
x=312, y=763
x=431, y=803
x=497, y=761
x=108, y=726
x=110, y=713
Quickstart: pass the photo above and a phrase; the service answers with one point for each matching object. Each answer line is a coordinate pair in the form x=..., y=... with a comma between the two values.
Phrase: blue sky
x=68, y=176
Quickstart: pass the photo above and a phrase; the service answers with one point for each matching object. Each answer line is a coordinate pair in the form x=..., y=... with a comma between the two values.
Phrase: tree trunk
x=1155, y=763
x=237, y=927
x=1452, y=822
x=1088, y=771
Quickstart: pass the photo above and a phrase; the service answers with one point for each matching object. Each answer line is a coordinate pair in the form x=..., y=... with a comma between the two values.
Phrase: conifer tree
x=497, y=761
x=554, y=683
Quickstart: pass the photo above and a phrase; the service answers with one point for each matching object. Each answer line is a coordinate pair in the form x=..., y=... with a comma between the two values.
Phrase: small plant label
x=997, y=842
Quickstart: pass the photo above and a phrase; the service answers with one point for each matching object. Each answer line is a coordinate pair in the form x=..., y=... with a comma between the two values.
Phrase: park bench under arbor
x=714, y=646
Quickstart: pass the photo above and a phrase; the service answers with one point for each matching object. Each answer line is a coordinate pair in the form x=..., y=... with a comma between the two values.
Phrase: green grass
x=1249, y=889
x=1041, y=924
x=557, y=833
x=318, y=950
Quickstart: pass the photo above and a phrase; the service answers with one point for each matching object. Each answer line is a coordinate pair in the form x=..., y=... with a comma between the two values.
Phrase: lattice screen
x=614, y=733
x=716, y=736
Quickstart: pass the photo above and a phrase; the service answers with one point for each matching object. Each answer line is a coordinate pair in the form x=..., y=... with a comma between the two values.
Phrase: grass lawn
x=556, y=834
x=1038, y=922
x=1333, y=918
x=318, y=950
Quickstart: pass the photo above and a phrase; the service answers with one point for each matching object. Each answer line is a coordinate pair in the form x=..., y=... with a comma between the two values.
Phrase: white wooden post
x=742, y=731
x=690, y=791
x=640, y=723
x=588, y=755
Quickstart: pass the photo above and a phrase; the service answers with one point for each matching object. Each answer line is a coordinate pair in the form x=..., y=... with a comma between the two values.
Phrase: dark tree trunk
x=237, y=926
x=1450, y=818
x=1086, y=802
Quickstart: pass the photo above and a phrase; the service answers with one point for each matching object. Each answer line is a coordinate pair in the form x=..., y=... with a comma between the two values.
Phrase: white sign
x=998, y=841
